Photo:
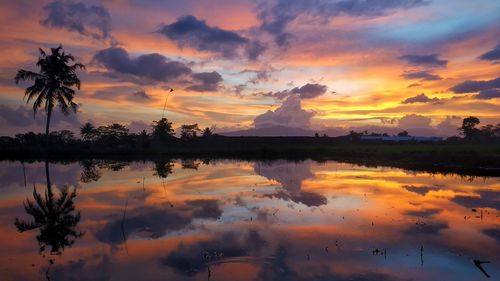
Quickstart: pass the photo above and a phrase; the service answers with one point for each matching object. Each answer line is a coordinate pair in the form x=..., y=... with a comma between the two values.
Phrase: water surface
x=238, y=220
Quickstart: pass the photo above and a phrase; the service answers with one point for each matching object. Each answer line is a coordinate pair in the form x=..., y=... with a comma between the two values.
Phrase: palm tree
x=53, y=84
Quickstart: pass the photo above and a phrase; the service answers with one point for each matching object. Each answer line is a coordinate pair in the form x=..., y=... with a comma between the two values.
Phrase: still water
x=239, y=220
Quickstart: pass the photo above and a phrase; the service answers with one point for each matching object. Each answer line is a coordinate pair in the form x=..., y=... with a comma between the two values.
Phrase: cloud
x=414, y=85
x=154, y=222
x=488, y=94
x=421, y=75
x=194, y=259
x=206, y=82
x=423, y=213
x=421, y=190
x=138, y=126
x=188, y=31
x=413, y=121
x=276, y=15
x=431, y=60
x=140, y=96
x=308, y=91
x=486, y=199
x=422, y=98
x=91, y=20
x=152, y=66
x=260, y=75
x=431, y=227
x=471, y=86
x=491, y=55
x=290, y=175
x=494, y=233
x=289, y=114
x=449, y=126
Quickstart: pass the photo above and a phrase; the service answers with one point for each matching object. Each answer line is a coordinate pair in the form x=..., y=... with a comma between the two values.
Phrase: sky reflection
x=279, y=220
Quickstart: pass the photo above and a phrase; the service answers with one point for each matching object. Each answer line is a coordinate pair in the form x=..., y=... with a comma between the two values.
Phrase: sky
x=380, y=65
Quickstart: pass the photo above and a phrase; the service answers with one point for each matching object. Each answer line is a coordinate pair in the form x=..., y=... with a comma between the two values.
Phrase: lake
x=244, y=220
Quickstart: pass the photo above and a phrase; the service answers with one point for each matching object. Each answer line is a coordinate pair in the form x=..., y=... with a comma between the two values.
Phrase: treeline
x=116, y=138
x=113, y=135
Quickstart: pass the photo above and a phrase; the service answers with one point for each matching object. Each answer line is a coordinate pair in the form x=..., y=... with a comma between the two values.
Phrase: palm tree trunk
x=47, y=126
x=49, y=184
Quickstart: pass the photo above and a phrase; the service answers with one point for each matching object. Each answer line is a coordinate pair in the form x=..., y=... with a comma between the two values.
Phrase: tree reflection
x=54, y=216
x=163, y=168
x=90, y=171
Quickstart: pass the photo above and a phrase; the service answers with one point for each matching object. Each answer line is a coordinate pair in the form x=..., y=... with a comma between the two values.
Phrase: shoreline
x=462, y=159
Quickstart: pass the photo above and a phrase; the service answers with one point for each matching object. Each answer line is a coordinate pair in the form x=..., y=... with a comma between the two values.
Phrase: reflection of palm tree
x=54, y=216
x=53, y=83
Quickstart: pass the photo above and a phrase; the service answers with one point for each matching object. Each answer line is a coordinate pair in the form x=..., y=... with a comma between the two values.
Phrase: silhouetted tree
x=63, y=137
x=143, y=139
x=189, y=132
x=89, y=132
x=53, y=84
x=162, y=129
x=206, y=132
x=468, y=128
x=403, y=134
x=113, y=134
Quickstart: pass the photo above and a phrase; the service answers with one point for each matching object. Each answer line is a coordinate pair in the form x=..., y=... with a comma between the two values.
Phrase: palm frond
x=27, y=75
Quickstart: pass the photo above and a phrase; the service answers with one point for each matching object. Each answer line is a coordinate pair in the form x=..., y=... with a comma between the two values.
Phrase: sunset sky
x=420, y=65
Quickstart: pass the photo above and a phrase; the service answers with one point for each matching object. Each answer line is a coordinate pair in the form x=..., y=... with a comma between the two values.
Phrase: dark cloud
x=421, y=75
x=188, y=31
x=428, y=227
x=493, y=233
x=422, y=98
x=488, y=94
x=486, y=199
x=423, y=213
x=276, y=15
x=421, y=190
x=431, y=60
x=471, y=86
x=414, y=85
x=154, y=222
x=308, y=91
x=206, y=82
x=289, y=114
x=491, y=55
x=193, y=259
x=140, y=96
x=260, y=75
x=91, y=20
x=152, y=66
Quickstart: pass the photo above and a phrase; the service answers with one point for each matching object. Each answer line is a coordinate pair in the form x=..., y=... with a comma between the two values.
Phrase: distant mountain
x=282, y=131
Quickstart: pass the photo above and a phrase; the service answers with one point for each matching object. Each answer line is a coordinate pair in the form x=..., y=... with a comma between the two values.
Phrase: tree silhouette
x=54, y=216
x=53, y=84
x=162, y=129
x=88, y=132
x=207, y=132
x=189, y=132
x=468, y=128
